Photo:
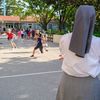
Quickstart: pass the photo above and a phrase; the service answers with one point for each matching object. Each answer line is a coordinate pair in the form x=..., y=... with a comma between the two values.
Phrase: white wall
x=56, y=38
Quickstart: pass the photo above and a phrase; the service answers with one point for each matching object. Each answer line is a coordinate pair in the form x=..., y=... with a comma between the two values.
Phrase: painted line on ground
x=29, y=74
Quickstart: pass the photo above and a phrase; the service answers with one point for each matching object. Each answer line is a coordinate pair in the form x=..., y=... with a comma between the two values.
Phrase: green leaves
x=40, y=9
x=62, y=11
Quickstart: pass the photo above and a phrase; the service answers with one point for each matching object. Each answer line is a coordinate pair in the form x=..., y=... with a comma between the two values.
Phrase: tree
x=45, y=11
x=65, y=12
x=96, y=4
x=10, y=7
x=39, y=9
x=0, y=7
x=20, y=9
x=66, y=17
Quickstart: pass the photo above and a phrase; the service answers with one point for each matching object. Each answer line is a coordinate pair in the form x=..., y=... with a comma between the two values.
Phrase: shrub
x=97, y=34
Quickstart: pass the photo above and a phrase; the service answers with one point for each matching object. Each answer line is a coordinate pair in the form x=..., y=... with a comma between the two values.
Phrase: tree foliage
x=10, y=7
x=66, y=17
x=61, y=10
x=41, y=10
x=96, y=4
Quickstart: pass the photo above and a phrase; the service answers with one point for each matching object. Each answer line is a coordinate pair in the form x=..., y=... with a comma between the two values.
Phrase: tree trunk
x=44, y=26
x=62, y=24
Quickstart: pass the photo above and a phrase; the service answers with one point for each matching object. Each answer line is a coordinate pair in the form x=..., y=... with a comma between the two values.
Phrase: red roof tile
x=29, y=19
x=10, y=18
x=17, y=19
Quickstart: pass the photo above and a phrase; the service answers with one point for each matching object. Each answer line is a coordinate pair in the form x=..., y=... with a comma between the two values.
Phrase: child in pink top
x=19, y=34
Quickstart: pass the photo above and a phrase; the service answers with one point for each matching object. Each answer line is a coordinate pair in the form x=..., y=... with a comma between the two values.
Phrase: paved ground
x=25, y=78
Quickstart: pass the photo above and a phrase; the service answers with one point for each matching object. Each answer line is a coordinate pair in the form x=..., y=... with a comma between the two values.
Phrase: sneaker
x=32, y=56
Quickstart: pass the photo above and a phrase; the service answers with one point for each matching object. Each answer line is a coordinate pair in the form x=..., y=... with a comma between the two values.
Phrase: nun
x=81, y=63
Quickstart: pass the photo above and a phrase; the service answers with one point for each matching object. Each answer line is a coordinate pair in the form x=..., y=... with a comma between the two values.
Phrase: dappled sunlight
x=24, y=55
x=24, y=77
x=24, y=65
x=18, y=61
x=4, y=60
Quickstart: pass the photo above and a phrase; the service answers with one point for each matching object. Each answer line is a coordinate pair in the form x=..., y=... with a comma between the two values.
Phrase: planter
x=56, y=38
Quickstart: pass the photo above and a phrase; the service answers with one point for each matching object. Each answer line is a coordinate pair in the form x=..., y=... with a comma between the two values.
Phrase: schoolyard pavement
x=25, y=78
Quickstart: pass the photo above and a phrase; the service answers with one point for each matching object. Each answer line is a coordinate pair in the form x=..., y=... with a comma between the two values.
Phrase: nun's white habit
x=81, y=64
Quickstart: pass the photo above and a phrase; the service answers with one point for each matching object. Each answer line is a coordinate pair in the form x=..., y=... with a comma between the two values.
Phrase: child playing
x=44, y=41
x=38, y=45
x=11, y=36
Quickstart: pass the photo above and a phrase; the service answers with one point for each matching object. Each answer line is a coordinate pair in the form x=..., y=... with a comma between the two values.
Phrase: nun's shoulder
x=66, y=36
x=96, y=39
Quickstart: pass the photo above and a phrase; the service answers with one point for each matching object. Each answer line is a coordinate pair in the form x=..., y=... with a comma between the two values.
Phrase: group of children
x=22, y=33
x=41, y=41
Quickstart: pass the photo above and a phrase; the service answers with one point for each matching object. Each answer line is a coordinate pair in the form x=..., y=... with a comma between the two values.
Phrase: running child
x=38, y=45
x=11, y=37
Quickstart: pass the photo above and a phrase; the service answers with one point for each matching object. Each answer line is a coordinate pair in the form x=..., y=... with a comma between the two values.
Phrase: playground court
x=25, y=78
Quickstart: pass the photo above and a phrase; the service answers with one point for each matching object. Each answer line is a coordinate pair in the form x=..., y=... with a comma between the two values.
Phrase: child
x=44, y=41
x=38, y=45
x=11, y=36
x=19, y=34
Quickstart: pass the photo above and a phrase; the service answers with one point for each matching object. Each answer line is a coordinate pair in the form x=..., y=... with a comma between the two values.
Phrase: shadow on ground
x=38, y=87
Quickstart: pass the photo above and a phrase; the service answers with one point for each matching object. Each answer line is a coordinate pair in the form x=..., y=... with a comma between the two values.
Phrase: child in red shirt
x=11, y=37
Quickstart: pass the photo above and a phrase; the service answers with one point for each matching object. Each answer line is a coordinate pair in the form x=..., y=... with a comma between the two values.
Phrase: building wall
x=25, y=25
x=52, y=26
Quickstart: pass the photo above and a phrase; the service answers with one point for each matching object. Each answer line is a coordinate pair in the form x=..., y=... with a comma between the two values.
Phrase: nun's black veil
x=83, y=30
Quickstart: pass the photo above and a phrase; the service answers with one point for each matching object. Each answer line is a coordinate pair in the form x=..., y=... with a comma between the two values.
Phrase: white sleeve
x=97, y=46
x=63, y=44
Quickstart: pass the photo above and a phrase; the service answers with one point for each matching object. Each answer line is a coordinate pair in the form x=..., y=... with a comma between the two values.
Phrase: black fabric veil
x=83, y=29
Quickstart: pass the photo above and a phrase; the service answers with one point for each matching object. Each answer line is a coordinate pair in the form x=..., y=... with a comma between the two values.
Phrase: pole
x=4, y=7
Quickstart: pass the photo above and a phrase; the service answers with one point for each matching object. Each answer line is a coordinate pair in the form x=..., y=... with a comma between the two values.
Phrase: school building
x=17, y=23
